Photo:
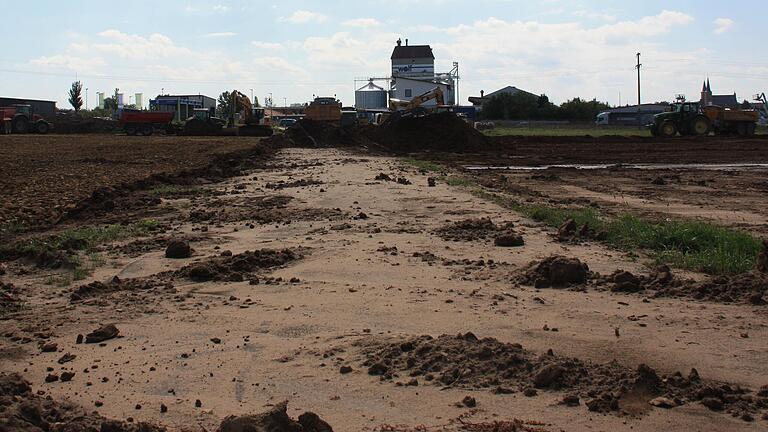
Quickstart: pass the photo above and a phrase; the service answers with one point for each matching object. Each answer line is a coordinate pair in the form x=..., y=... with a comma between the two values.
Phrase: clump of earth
x=466, y=361
x=239, y=267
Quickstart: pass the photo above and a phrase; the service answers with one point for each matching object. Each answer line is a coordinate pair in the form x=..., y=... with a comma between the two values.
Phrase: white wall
x=417, y=88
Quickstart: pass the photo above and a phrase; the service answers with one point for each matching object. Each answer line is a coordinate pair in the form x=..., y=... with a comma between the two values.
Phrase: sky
x=295, y=49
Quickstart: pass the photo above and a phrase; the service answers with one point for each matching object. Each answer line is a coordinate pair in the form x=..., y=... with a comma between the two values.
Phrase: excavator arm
x=436, y=94
x=240, y=104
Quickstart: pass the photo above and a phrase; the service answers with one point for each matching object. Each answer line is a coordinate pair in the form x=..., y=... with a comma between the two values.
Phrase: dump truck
x=690, y=118
x=324, y=109
x=144, y=123
x=23, y=120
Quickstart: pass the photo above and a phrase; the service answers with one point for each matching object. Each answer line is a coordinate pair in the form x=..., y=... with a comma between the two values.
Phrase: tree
x=110, y=104
x=224, y=104
x=76, y=95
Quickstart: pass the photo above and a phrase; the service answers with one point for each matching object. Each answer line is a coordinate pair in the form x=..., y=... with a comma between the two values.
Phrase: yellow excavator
x=245, y=119
x=412, y=108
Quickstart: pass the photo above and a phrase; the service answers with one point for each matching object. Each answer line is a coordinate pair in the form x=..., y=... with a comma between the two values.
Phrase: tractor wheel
x=751, y=129
x=146, y=130
x=741, y=129
x=42, y=127
x=700, y=126
x=668, y=129
x=20, y=125
x=130, y=130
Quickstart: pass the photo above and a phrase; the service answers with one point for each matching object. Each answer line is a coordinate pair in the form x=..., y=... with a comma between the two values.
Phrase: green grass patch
x=568, y=130
x=80, y=239
x=459, y=181
x=692, y=245
x=76, y=247
x=423, y=165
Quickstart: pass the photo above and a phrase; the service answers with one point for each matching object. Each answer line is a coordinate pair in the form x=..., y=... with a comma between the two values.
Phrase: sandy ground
x=289, y=339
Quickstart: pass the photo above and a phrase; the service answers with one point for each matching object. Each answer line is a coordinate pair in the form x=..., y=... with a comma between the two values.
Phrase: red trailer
x=143, y=122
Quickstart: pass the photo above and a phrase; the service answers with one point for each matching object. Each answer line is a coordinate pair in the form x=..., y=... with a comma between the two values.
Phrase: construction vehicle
x=412, y=108
x=143, y=122
x=203, y=123
x=764, y=112
x=245, y=119
x=689, y=118
x=324, y=109
x=23, y=120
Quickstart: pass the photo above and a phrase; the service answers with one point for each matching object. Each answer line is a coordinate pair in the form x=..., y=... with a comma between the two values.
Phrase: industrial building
x=631, y=115
x=182, y=105
x=478, y=102
x=46, y=109
x=370, y=97
x=413, y=73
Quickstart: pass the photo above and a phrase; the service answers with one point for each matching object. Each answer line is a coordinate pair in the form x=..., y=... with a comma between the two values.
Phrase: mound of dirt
x=238, y=267
x=555, y=271
x=466, y=361
x=73, y=123
x=472, y=230
x=443, y=132
x=23, y=410
x=293, y=184
x=310, y=133
x=749, y=287
x=99, y=289
x=9, y=300
x=178, y=249
x=275, y=420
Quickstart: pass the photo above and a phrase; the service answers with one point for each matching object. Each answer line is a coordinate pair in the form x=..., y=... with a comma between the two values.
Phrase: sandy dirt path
x=287, y=340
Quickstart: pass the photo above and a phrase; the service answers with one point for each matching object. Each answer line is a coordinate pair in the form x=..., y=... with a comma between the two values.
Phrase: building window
x=408, y=93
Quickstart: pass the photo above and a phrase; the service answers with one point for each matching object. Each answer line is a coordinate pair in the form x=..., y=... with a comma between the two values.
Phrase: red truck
x=23, y=120
x=143, y=122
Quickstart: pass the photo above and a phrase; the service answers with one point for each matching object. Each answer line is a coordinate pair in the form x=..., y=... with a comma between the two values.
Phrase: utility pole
x=638, y=81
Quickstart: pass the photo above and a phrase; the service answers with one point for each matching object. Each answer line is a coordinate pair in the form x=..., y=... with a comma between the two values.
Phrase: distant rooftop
x=411, y=51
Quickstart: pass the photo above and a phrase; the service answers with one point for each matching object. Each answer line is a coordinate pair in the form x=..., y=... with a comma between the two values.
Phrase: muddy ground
x=385, y=305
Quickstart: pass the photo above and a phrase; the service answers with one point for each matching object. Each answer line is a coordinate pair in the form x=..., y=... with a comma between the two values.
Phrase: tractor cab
x=24, y=109
x=202, y=114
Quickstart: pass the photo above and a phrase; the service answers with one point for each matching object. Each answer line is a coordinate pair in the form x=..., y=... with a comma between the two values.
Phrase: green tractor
x=685, y=118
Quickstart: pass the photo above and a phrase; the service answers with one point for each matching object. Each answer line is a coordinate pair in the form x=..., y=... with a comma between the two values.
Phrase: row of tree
x=224, y=102
x=526, y=106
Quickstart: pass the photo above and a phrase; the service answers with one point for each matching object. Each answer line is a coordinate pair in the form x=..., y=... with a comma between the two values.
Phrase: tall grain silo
x=370, y=96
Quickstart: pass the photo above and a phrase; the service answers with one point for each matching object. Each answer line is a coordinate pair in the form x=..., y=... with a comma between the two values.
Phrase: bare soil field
x=378, y=294
x=44, y=176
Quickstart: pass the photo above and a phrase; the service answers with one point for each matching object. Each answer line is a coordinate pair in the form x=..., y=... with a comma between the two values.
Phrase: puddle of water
x=713, y=167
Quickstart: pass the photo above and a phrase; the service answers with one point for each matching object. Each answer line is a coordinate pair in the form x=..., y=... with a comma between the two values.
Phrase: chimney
x=406, y=42
x=399, y=42
x=482, y=93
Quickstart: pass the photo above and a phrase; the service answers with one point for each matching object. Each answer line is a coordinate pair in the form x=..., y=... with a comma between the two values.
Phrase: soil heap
x=443, y=132
x=465, y=361
x=238, y=267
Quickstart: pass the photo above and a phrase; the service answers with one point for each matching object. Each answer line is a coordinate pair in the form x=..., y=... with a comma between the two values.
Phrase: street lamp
x=86, y=98
x=285, y=102
x=251, y=95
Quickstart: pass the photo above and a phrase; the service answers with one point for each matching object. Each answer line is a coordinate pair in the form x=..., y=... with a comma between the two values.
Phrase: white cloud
x=722, y=25
x=266, y=45
x=362, y=22
x=204, y=8
x=583, y=13
x=219, y=34
x=304, y=17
